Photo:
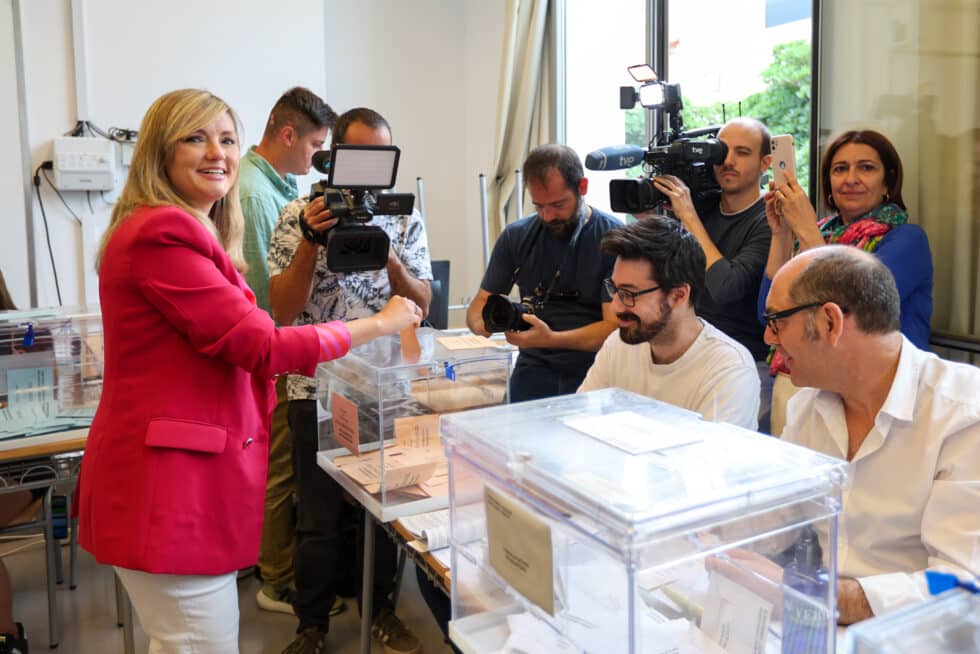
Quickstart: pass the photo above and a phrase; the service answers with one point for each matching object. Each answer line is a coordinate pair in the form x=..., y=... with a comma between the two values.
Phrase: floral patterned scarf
x=866, y=233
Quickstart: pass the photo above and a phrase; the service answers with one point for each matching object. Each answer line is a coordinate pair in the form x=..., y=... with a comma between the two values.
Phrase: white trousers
x=185, y=614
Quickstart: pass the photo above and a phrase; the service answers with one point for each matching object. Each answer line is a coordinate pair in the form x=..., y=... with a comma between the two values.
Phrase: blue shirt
x=581, y=272
x=263, y=193
x=905, y=250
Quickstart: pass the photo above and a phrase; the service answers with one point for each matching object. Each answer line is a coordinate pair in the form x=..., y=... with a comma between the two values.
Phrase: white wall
x=13, y=250
x=430, y=67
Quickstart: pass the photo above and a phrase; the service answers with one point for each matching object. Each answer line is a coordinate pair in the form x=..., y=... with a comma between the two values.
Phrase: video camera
x=354, y=173
x=670, y=152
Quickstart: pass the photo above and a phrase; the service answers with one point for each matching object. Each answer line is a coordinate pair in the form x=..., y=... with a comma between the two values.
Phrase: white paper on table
x=734, y=617
x=432, y=528
x=529, y=634
x=631, y=432
x=654, y=578
x=676, y=637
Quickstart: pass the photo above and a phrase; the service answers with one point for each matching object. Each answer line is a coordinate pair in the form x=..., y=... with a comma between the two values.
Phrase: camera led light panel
x=363, y=166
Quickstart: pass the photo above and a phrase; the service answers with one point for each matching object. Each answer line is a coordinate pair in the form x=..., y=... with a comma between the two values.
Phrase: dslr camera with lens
x=501, y=314
x=355, y=174
x=672, y=151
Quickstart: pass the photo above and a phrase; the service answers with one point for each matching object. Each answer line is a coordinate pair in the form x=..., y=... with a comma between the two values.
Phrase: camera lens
x=500, y=314
x=633, y=195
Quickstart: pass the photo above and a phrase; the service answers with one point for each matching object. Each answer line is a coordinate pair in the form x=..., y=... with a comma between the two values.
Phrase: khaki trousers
x=279, y=526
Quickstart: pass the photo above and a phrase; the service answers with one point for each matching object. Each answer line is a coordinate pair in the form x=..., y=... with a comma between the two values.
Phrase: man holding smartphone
x=734, y=235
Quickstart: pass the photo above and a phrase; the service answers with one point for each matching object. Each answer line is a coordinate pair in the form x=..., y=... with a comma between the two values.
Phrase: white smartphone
x=783, y=158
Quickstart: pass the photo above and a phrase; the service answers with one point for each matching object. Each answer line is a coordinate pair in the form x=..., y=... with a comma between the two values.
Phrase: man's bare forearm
x=474, y=313
x=405, y=284
x=290, y=290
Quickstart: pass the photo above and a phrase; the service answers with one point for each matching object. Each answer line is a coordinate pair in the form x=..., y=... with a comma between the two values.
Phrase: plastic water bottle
x=805, y=623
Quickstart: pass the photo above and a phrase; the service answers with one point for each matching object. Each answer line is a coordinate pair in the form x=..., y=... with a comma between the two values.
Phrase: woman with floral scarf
x=863, y=173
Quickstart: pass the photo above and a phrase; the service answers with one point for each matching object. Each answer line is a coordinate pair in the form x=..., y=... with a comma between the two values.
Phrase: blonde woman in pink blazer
x=173, y=479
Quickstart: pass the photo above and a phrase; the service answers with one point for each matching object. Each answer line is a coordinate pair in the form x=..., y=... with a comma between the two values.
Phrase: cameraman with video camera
x=733, y=232
x=553, y=256
x=735, y=238
x=304, y=288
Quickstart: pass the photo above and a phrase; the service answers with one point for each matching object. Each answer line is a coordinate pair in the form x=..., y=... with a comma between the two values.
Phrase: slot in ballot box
x=613, y=523
x=51, y=363
x=946, y=624
x=378, y=411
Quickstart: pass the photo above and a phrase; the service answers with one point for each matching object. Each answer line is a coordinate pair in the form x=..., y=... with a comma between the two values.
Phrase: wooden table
x=434, y=568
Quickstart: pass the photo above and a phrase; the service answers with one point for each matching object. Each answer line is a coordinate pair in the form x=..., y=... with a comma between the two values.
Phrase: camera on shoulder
x=672, y=151
x=351, y=191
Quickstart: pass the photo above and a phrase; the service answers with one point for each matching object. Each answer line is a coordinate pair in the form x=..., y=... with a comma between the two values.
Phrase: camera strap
x=533, y=240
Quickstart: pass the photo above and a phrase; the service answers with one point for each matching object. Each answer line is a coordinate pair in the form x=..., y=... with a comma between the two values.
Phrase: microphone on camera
x=615, y=157
x=321, y=161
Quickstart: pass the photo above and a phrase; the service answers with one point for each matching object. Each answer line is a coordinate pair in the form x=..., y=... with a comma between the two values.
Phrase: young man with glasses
x=663, y=349
x=907, y=421
x=553, y=257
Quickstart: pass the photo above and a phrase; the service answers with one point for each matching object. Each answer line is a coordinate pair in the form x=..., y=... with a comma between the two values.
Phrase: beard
x=564, y=227
x=644, y=332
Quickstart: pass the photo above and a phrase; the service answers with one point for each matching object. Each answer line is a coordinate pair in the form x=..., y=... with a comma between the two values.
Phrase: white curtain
x=949, y=138
x=911, y=69
x=524, y=104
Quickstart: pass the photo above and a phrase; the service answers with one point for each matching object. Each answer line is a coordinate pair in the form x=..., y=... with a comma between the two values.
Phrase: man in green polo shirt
x=297, y=127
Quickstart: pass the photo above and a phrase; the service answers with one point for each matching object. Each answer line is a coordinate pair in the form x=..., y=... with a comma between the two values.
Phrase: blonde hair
x=171, y=118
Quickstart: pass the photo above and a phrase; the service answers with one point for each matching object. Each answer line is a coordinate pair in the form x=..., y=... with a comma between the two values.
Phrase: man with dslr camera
x=304, y=290
x=553, y=257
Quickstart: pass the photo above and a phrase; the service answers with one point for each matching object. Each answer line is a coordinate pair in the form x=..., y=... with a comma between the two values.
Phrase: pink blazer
x=174, y=473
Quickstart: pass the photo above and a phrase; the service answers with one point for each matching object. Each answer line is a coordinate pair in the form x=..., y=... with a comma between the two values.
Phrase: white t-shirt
x=716, y=377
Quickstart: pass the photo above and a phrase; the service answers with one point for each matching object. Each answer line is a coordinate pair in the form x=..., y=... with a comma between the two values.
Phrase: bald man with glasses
x=907, y=422
x=663, y=349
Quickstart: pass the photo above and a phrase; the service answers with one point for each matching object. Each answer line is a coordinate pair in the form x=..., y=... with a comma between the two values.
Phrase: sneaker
x=339, y=606
x=270, y=599
x=11, y=644
x=394, y=635
x=311, y=640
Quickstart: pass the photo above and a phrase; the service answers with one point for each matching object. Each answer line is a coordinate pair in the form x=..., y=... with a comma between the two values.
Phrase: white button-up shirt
x=912, y=497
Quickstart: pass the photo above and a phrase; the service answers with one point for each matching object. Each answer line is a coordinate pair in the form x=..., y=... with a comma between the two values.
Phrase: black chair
x=438, y=317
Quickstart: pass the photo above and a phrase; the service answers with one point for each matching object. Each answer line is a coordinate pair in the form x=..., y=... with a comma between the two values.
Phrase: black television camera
x=354, y=173
x=670, y=152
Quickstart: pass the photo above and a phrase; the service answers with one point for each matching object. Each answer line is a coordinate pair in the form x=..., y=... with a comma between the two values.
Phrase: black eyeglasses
x=628, y=298
x=771, y=318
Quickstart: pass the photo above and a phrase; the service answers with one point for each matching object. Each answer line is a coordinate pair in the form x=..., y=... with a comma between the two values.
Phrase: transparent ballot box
x=50, y=371
x=378, y=411
x=607, y=522
x=946, y=624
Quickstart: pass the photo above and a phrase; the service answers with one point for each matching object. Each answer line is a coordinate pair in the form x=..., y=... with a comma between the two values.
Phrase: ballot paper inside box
x=378, y=413
x=617, y=524
x=51, y=364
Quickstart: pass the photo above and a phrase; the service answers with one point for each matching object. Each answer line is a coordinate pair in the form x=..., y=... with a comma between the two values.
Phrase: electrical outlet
x=84, y=163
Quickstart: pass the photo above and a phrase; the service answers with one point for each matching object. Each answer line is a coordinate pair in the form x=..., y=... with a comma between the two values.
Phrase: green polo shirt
x=263, y=194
